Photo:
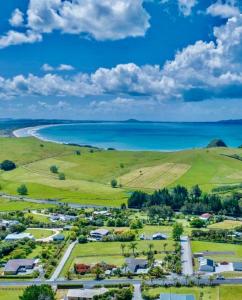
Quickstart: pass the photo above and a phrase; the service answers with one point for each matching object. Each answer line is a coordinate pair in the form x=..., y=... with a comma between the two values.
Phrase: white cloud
x=47, y=68
x=15, y=38
x=102, y=20
x=17, y=18
x=186, y=6
x=64, y=67
x=223, y=10
x=198, y=72
x=61, y=67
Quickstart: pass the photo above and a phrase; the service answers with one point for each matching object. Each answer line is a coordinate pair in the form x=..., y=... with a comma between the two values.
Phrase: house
x=82, y=268
x=237, y=266
x=206, y=265
x=98, y=234
x=101, y=213
x=59, y=238
x=19, y=236
x=205, y=217
x=134, y=264
x=176, y=297
x=159, y=236
x=7, y=223
x=14, y=266
x=83, y=294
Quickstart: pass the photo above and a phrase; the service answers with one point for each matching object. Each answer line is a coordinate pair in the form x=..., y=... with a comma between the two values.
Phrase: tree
x=122, y=246
x=114, y=183
x=82, y=239
x=62, y=176
x=7, y=165
x=165, y=246
x=133, y=247
x=54, y=169
x=22, y=190
x=196, y=192
x=42, y=292
x=78, y=152
x=98, y=271
x=177, y=231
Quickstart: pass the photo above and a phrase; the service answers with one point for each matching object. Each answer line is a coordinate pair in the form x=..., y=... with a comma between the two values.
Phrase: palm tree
x=151, y=246
x=123, y=246
x=125, y=265
x=98, y=272
x=186, y=279
x=210, y=280
x=133, y=247
x=198, y=279
x=164, y=246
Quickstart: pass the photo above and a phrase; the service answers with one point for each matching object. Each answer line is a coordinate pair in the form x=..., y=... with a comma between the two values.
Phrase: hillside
x=88, y=175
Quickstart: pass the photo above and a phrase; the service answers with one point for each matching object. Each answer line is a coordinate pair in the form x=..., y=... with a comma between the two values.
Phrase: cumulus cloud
x=61, y=67
x=101, y=20
x=17, y=18
x=186, y=6
x=14, y=38
x=199, y=72
x=223, y=10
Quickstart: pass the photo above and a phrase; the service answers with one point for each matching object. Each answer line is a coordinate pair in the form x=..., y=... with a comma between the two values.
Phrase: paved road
x=62, y=262
x=186, y=256
x=137, y=292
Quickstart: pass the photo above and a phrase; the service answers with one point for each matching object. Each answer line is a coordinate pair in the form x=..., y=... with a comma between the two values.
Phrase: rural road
x=186, y=256
x=65, y=257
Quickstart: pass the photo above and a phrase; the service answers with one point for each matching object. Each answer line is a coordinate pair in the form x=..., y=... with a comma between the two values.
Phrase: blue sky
x=167, y=60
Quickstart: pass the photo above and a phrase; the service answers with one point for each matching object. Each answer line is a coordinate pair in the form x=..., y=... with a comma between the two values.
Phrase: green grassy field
x=198, y=246
x=40, y=233
x=224, y=292
x=10, y=293
x=109, y=252
x=88, y=175
x=226, y=224
x=38, y=218
x=10, y=205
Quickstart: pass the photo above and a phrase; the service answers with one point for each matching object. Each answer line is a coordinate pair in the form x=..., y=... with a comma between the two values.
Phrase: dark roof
x=176, y=297
x=134, y=263
x=59, y=237
x=14, y=264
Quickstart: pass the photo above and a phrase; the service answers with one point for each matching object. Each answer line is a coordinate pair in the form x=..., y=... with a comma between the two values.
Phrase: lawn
x=40, y=233
x=109, y=252
x=226, y=224
x=207, y=292
x=88, y=175
x=10, y=293
x=38, y=218
x=12, y=205
x=198, y=246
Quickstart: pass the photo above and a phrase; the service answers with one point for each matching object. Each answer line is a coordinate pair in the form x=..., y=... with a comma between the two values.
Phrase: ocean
x=143, y=135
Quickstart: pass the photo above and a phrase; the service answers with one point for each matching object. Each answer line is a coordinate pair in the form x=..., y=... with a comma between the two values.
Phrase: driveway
x=137, y=292
x=186, y=256
x=64, y=259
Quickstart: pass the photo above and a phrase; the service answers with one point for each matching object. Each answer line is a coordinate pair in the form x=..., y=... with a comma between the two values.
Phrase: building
x=98, y=234
x=84, y=294
x=206, y=265
x=58, y=238
x=19, y=236
x=14, y=266
x=176, y=297
x=134, y=264
x=159, y=236
x=237, y=266
x=205, y=217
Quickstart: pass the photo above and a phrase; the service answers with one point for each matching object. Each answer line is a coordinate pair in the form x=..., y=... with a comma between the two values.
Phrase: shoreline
x=32, y=132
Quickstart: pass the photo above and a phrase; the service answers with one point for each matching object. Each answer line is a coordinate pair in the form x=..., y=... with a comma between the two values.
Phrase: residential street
x=186, y=256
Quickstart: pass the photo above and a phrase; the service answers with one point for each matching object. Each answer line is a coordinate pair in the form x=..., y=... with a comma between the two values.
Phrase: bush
x=82, y=239
x=62, y=176
x=114, y=183
x=54, y=169
x=7, y=165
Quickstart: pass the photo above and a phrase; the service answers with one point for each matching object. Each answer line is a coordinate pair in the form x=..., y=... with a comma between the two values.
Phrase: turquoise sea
x=143, y=135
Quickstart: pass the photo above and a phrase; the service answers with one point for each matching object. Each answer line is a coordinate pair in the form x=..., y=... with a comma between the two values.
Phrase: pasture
x=88, y=175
